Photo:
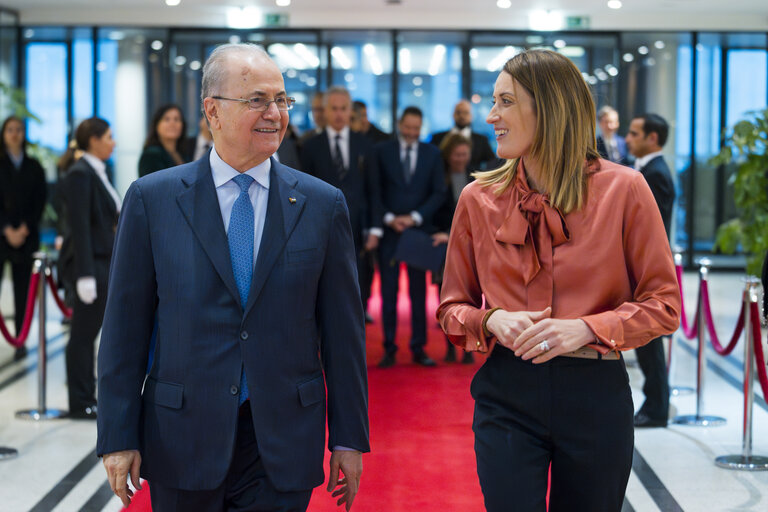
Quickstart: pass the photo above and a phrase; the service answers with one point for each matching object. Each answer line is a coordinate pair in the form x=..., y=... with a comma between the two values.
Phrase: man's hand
x=371, y=243
x=561, y=335
x=402, y=222
x=440, y=238
x=351, y=464
x=507, y=326
x=119, y=465
x=15, y=237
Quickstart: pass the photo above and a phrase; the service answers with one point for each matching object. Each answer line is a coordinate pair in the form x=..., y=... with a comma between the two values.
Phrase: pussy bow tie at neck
x=534, y=225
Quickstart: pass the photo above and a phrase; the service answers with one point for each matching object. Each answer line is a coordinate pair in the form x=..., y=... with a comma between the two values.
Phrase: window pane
x=82, y=88
x=46, y=80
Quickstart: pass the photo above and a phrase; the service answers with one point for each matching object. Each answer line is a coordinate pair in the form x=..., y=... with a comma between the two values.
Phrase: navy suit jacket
x=424, y=192
x=301, y=332
x=621, y=145
x=358, y=186
x=656, y=173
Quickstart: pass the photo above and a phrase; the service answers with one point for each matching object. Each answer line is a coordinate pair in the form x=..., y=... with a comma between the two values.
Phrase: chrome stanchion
x=42, y=412
x=746, y=460
x=676, y=390
x=8, y=453
x=700, y=419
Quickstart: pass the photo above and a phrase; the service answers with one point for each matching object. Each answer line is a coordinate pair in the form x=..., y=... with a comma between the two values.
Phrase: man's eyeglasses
x=262, y=104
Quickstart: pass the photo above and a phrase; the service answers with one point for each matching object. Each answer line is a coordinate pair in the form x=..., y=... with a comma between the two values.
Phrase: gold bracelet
x=487, y=333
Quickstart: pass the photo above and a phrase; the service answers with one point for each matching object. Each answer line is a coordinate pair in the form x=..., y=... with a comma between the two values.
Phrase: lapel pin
x=292, y=200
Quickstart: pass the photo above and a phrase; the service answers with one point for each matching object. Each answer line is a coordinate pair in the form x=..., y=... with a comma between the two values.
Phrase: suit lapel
x=394, y=153
x=284, y=207
x=200, y=207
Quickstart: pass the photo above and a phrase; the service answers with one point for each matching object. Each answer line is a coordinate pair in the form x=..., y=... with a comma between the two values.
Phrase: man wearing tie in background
x=609, y=144
x=411, y=189
x=232, y=414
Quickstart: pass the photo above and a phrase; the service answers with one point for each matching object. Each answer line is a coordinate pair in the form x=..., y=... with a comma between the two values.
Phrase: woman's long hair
x=564, y=141
x=91, y=127
x=153, y=139
x=448, y=144
x=3, y=149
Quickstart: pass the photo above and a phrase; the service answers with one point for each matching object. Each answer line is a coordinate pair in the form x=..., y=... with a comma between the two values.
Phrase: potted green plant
x=746, y=148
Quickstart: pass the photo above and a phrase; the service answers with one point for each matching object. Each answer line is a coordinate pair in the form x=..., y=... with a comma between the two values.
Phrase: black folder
x=415, y=249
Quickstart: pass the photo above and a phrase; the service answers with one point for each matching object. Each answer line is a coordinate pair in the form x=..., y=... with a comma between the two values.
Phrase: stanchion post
x=746, y=460
x=42, y=412
x=676, y=390
x=699, y=419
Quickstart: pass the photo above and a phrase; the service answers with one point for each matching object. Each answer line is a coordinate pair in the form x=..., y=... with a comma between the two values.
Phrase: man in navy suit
x=609, y=144
x=338, y=156
x=247, y=268
x=483, y=156
x=645, y=139
x=411, y=189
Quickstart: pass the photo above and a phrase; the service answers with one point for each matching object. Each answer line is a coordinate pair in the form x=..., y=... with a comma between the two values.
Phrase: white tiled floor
x=55, y=458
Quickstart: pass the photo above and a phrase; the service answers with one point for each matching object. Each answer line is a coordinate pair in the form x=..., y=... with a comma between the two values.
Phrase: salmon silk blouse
x=608, y=263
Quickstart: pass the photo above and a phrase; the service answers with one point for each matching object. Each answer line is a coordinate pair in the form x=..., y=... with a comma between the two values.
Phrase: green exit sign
x=276, y=20
x=577, y=22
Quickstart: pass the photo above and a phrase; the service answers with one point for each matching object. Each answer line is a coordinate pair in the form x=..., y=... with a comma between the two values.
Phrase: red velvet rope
x=688, y=331
x=757, y=339
x=59, y=302
x=711, y=325
x=22, y=336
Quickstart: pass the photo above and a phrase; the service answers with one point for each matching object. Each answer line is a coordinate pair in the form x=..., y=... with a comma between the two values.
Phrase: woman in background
x=92, y=207
x=456, y=151
x=556, y=262
x=22, y=200
x=164, y=146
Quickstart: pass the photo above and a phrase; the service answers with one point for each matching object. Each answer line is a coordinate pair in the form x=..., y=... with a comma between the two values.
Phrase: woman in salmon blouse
x=557, y=261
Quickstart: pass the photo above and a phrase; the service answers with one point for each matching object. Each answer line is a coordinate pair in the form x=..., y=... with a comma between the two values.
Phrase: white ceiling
x=740, y=15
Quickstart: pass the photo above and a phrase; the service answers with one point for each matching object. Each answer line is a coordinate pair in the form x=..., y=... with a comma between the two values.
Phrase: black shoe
x=368, y=319
x=450, y=354
x=642, y=420
x=21, y=353
x=89, y=413
x=423, y=360
x=468, y=358
x=387, y=361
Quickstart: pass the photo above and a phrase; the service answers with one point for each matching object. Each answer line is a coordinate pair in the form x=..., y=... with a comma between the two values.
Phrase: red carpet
x=422, y=455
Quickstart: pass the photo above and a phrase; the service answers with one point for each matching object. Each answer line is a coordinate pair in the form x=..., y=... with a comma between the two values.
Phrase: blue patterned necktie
x=241, y=232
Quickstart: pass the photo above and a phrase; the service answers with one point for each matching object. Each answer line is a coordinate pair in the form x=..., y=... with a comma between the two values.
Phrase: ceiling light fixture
x=546, y=21
x=659, y=44
x=244, y=17
x=172, y=3
x=282, y=3
x=642, y=50
x=559, y=43
x=437, y=59
x=614, y=4
x=341, y=58
x=503, y=4
x=404, y=61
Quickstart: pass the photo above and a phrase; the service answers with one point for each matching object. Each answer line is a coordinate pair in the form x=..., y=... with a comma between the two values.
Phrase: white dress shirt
x=343, y=143
x=101, y=171
x=643, y=160
x=228, y=191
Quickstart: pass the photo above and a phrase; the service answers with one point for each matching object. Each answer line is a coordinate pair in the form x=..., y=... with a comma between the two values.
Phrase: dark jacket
x=22, y=199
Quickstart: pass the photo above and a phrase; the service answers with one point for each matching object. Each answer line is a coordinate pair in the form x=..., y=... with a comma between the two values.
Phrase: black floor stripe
x=99, y=500
x=660, y=494
x=29, y=369
x=627, y=506
x=730, y=379
x=66, y=484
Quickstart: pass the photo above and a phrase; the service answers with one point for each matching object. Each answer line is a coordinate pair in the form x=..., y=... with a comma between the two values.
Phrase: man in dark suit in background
x=412, y=188
x=318, y=118
x=609, y=144
x=232, y=414
x=483, y=156
x=645, y=139
x=338, y=156
x=360, y=123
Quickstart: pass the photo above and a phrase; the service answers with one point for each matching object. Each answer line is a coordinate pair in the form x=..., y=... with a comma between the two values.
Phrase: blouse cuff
x=607, y=328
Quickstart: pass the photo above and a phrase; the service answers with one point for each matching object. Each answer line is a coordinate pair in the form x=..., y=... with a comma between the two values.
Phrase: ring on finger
x=544, y=346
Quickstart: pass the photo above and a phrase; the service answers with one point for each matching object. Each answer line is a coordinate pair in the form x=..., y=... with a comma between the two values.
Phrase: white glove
x=86, y=289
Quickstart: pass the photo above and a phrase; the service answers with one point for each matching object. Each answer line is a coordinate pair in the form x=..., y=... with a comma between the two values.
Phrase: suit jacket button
x=234, y=390
x=244, y=335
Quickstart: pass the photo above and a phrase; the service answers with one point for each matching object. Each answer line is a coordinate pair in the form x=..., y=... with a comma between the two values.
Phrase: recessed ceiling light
x=172, y=3
x=659, y=44
x=642, y=50
x=614, y=4
x=282, y=3
x=559, y=43
x=503, y=4
x=156, y=45
x=628, y=57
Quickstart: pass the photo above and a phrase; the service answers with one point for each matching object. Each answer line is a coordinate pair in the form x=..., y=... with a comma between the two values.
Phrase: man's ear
x=653, y=137
x=211, y=113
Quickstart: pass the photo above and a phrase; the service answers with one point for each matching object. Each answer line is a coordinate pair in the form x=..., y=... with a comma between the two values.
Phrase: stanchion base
x=38, y=415
x=8, y=453
x=699, y=421
x=680, y=390
x=752, y=463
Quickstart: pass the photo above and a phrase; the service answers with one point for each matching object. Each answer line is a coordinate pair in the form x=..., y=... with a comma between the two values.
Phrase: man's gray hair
x=214, y=71
x=604, y=111
x=336, y=89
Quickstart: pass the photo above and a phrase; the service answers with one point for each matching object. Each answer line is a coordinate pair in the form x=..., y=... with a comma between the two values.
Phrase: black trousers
x=21, y=271
x=85, y=326
x=245, y=488
x=575, y=414
x=652, y=363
